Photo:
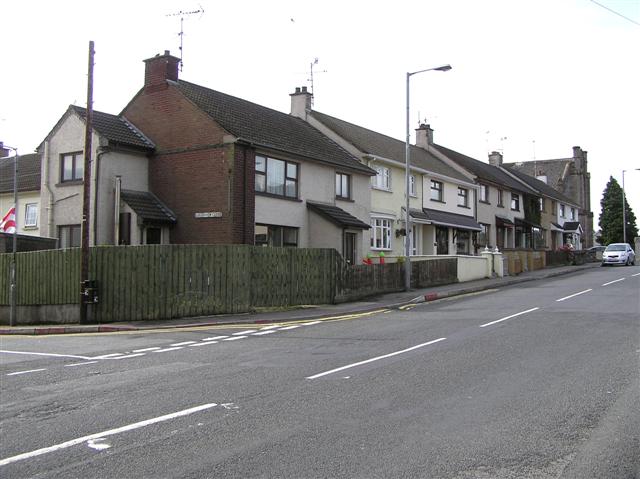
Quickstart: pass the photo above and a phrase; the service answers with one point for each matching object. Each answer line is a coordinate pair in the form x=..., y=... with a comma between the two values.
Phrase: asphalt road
x=539, y=380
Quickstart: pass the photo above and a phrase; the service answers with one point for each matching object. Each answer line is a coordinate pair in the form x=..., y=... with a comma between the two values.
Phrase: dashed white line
x=214, y=338
x=99, y=435
x=360, y=363
x=26, y=372
x=235, y=338
x=45, y=354
x=273, y=326
x=508, y=317
x=127, y=356
x=145, y=350
x=290, y=327
x=311, y=323
x=262, y=333
x=202, y=344
x=108, y=356
x=637, y=274
x=167, y=349
x=614, y=281
x=79, y=364
x=243, y=333
x=574, y=295
x=185, y=343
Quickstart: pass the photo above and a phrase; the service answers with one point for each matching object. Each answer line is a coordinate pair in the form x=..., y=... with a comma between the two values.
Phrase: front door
x=442, y=240
x=350, y=250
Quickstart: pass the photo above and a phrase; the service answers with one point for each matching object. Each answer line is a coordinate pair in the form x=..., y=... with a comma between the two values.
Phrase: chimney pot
x=495, y=158
x=304, y=89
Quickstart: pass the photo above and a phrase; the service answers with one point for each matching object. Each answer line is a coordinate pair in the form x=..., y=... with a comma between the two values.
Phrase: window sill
x=465, y=207
x=30, y=227
x=380, y=249
x=69, y=183
x=348, y=200
x=278, y=197
x=438, y=201
x=484, y=202
x=379, y=188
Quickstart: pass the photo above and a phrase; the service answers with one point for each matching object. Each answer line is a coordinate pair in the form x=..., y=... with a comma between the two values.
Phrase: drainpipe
x=96, y=183
x=116, y=210
x=50, y=198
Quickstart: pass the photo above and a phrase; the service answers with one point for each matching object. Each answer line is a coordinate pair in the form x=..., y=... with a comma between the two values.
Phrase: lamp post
x=4, y=149
x=624, y=209
x=407, y=174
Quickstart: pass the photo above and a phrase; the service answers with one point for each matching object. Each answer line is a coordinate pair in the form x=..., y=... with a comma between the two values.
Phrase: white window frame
x=381, y=230
x=484, y=193
x=382, y=180
x=343, y=186
x=31, y=207
x=412, y=186
x=463, y=199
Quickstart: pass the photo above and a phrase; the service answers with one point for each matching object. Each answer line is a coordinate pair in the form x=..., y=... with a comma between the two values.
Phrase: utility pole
x=86, y=195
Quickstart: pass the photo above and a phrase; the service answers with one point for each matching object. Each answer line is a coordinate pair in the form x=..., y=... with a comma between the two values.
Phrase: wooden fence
x=172, y=281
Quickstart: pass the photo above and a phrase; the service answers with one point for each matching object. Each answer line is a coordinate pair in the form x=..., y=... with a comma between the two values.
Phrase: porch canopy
x=452, y=220
x=504, y=222
x=148, y=207
x=337, y=215
x=572, y=227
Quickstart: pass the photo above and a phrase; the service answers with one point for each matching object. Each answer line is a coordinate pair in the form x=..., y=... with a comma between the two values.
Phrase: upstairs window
x=437, y=190
x=573, y=213
x=463, y=197
x=562, y=212
x=500, y=198
x=484, y=193
x=31, y=215
x=515, y=202
x=343, y=186
x=71, y=167
x=276, y=177
x=382, y=180
x=541, y=203
x=412, y=186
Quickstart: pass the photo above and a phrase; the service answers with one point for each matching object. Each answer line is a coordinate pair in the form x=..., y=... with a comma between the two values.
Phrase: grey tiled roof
x=571, y=225
x=28, y=173
x=374, y=143
x=115, y=129
x=148, y=206
x=484, y=171
x=554, y=170
x=269, y=128
x=337, y=215
x=540, y=186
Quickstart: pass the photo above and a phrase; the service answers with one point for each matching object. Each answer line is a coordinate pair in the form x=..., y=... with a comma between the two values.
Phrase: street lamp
x=4, y=151
x=624, y=210
x=407, y=168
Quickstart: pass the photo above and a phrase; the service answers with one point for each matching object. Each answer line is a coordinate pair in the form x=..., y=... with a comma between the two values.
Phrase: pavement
x=307, y=313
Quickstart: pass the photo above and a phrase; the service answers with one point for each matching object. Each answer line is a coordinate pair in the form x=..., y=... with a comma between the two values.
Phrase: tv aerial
x=182, y=14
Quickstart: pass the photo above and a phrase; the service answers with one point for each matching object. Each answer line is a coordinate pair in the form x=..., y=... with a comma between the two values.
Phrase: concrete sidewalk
x=306, y=313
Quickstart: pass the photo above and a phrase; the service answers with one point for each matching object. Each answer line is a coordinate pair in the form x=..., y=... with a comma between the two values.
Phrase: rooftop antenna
x=314, y=62
x=181, y=34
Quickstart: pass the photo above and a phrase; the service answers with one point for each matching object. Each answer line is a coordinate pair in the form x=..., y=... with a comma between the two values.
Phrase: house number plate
x=209, y=214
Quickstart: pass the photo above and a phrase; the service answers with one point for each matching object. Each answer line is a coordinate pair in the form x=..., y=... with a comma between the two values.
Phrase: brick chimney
x=424, y=136
x=300, y=102
x=495, y=158
x=159, y=69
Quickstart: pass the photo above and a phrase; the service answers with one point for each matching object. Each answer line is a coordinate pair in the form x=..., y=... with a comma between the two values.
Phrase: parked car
x=618, y=253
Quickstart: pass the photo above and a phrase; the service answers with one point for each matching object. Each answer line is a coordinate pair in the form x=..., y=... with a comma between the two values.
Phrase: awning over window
x=504, y=222
x=556, y=227
x=337, y=215
x=453, y=220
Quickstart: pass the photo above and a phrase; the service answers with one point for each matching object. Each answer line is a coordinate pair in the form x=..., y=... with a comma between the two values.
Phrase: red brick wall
x=194, y=171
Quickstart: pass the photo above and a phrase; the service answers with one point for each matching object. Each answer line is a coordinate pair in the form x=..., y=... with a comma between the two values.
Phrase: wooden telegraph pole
x=86, y=195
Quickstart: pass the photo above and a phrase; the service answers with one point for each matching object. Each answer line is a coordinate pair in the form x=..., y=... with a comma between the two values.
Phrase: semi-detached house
x=235, y=172
x=441, y=197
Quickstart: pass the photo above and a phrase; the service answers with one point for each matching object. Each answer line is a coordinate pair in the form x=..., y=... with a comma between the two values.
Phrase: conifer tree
x=610, y=220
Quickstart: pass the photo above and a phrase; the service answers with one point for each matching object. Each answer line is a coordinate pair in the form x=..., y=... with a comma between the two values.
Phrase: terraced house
x=441, y=196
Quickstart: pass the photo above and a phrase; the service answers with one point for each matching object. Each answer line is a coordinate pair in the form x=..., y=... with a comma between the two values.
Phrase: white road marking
x=45, y=354
x=214, y=338
x=145, y=350
x=360, y=363
x=637, y=274
x=269, y=327
x=103, y=434
x=167, y=349
x=127, y=356
x=184, y=343
x=243, y=333
x=26, y=372
x=574, y=295
x=203, y=344
x=79, y=364
x=615, y=281
x=97, y=444
x=290, y=327
x=108, y=356
x=262, y=333
x=311, y=323
x=234, y=338
x=508, y=317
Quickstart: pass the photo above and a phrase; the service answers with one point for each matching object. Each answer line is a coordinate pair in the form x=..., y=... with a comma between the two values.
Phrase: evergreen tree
x=610, y=220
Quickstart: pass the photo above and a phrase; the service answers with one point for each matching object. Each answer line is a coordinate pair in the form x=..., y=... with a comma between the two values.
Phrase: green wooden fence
x=173, y=281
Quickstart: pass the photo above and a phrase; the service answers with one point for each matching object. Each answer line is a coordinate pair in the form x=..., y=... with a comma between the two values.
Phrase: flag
x=8, y=224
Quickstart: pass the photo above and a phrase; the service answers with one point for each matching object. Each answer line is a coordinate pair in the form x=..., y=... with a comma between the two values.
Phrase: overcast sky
x=532, y=78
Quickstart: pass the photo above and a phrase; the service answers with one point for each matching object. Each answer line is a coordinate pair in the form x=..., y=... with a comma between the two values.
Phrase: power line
x=615, y=13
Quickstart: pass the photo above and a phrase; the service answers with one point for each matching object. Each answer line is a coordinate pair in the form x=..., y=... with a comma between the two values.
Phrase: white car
x=618, y=253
